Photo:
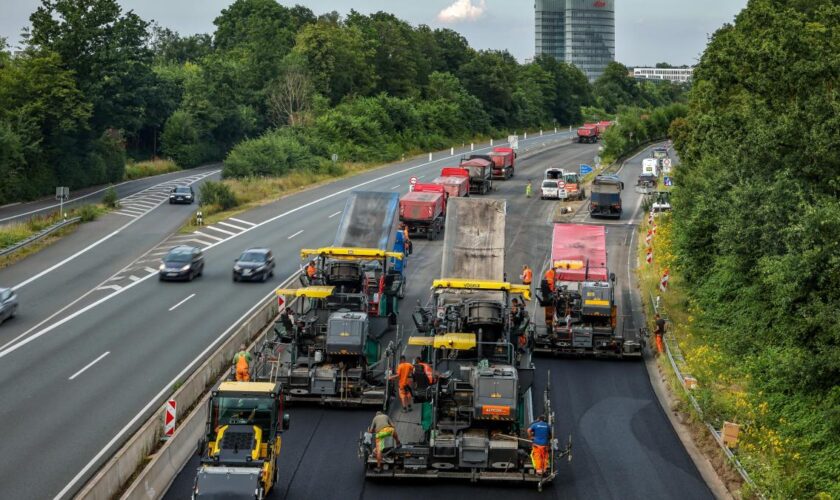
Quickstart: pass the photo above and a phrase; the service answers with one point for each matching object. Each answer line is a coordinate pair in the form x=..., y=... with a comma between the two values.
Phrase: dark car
x=8, y=304
x=254, y=264
x=182, y=263
x=182, y=194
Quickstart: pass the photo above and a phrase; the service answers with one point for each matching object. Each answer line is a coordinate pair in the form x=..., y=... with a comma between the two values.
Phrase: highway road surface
x=77, y=377
x=624, y=445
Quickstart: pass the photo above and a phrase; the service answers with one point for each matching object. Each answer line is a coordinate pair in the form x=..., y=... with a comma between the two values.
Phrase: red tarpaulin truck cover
x=575, y=245
x=456, y=181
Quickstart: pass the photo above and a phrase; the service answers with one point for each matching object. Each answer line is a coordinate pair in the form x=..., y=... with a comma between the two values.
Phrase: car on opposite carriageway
x=8, y=304
x=254, y=264
x=183, y=262
x=182, y=194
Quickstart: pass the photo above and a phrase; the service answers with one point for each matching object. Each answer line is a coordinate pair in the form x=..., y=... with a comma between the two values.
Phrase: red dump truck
x=455, y=181
x=603, y=126
x=503, y=162
x=588, y=133
x=481, y=173
x=423, y=210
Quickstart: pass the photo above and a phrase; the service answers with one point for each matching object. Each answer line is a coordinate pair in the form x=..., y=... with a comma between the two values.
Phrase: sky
x=647, y=31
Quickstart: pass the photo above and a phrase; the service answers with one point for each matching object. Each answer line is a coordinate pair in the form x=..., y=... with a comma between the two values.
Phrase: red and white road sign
x=561, y=184
x=663, y=283
x=649, y=236
x=412, y=180
x=169, y=418
x=649, y=257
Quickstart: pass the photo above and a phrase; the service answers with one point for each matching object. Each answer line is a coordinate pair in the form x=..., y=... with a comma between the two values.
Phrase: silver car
x=8, y=304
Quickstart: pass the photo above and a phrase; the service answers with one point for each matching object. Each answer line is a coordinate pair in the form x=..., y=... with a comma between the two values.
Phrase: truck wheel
x=430, y=234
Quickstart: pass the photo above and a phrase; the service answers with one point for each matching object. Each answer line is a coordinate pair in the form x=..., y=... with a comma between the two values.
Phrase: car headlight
x=171, y=195
x=162, y=267
x=186, y=268
x=237, y=268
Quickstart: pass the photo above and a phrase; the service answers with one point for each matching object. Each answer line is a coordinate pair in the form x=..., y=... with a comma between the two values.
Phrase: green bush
x=274, y=154
x=110, y=199
x=218, y=194
x=88, y=213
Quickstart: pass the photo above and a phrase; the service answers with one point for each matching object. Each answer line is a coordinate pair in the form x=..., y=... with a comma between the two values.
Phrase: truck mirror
x=612, y=277
x=286, y=421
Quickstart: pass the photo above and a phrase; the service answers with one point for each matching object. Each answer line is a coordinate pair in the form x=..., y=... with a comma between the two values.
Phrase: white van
x=650, y=166
x=550, y=189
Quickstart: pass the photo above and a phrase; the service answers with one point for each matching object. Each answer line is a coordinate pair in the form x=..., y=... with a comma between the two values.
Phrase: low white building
x=676, y=75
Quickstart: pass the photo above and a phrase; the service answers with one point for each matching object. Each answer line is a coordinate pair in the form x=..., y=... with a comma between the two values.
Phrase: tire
x=190, y=276
x=235, y=278
x=264, y=277
x=401, y=292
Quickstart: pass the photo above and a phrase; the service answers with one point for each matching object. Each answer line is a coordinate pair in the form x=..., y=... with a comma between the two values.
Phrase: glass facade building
x=579, y=32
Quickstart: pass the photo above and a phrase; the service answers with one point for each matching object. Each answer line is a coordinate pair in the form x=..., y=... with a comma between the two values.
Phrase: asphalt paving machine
x=240, y=450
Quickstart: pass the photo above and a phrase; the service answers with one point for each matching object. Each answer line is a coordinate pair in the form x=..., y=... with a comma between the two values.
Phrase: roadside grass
x=149, y=168
x=8, y=260
x=723, y=390
x=253, y=192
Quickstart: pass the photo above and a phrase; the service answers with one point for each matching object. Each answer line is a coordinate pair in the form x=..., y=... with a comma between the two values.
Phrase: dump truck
x=481, y=172
x=503, y=162
x=473, y=418
x=603, y=126
x=580, y=313
x=423, y=210
x=605, y=196
x=588, y=133
x=455, y=181
x=240, y=450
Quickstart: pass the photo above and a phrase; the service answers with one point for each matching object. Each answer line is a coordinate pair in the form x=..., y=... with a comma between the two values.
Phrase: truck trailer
x=605, y=196
x=588, y=133
x=423, y=210
x=503, y=162
x=580, y=312
x=481, y=172
x=455, y=181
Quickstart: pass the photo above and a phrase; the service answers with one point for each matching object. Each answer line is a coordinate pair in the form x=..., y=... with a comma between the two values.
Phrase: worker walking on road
x=550, y=278
x=404, y=372
x=539, y=433
x=527, y=275
x=382, y=428
x=528, y=189
x=242, y=362
x=659, y=332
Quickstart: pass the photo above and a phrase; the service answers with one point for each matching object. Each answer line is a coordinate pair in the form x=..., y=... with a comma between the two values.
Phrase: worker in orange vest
x=311, y=270
x=406, y=239
x=550, y=277
x=540, y=433
x=527, y=275
x=242, y=361
x=404, y=372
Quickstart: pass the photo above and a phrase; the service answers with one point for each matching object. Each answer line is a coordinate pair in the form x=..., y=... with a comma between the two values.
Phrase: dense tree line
x=95, y=84
x=757, y=215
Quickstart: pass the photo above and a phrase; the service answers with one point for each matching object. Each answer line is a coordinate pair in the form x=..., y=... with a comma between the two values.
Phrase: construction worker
x=404, y=372
x=528, y=189
x=406, y=239
x=311, y=271
x=242, y=361
x=381, y=428
x=424, y=376
x=527, y=275
x=659, y=332
x=539, y=433
x=550, y=277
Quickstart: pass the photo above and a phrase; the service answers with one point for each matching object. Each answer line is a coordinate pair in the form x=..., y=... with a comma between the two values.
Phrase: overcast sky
x=647, y=31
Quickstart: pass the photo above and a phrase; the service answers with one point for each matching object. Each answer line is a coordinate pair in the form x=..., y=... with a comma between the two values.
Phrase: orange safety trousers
x=659, y=346
x=242, y=374
x=539, y=457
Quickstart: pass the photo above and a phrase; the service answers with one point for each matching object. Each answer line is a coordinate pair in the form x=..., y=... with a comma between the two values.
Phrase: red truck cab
x=455, y=181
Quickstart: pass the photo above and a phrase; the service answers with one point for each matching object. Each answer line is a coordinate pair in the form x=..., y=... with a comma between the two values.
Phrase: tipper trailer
x=503, y=159
x=455, y=181
x=481, y=173
x=423, y=210
x=588, y=133
x=580, y=311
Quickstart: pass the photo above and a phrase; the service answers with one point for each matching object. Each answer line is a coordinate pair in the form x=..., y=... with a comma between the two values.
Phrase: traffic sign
x=561, y=184
x=585, y=169
x=62, y=193
x=412, y=180
x=666, y=162
x=169, y=418
x=513, y=141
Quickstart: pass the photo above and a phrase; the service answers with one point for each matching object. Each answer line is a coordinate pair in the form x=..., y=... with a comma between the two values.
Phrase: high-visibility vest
x=527, y=276
x=310, y=271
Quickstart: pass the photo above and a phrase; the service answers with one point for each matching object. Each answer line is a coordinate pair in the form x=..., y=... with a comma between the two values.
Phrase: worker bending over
x=382, y=428
x=311, y=271
x=404, y=372
x=539, y=433
x=242, y=362
x=527, y=275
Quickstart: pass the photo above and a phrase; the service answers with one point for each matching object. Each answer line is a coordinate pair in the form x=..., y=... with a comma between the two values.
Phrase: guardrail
x=154, y=478
x=675, y=358
x=40, y=234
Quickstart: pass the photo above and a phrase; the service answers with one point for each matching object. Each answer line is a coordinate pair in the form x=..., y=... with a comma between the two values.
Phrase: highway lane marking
x=179, y=303
x=242, y=221
x=133, y=278
x=89, y=247
x=139, y=203
x=395, y=187
x=238, y=228
x=150, y=270
x=89, y=365
x=20, y=341
x=221, y=230
x=156, y=399
x=333, y=215
x=127, y=215
x=208, y=236
x=297, y=233
x=420, y=177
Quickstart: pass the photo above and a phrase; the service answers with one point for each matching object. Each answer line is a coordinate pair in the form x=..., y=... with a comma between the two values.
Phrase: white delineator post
x=430, y=156
x=451, y=151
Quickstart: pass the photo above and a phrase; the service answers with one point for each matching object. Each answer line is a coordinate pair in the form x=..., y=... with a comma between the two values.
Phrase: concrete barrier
x=112, y=477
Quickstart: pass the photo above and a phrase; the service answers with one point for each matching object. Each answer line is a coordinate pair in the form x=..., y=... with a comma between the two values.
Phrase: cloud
x=462, y=10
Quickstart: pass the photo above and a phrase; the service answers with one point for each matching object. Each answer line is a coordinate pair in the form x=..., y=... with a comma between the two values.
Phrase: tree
x=571, y=89
x=491, y=76
x=290, y=97
x=454, y=51
x=171, y=48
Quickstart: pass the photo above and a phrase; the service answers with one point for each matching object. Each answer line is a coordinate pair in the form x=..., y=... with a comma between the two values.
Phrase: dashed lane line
x=333, y=215
x=89, y=365
x=297, y=233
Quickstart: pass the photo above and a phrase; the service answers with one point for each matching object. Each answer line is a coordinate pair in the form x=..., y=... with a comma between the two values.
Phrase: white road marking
x=220, y=230
x=208, y=236
x=333, y=215
x=140, y=203
x=89, y=365
x=179, y=303
x=127, y=215
x=132, y=211
x=116, y=288
x=242, y=221
x=297, y=233
x=150, y=270
x=395, y=187
x=420, y=177
x=115, y=278
x=238, y=228
x=133, y=278
x=20, y=341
